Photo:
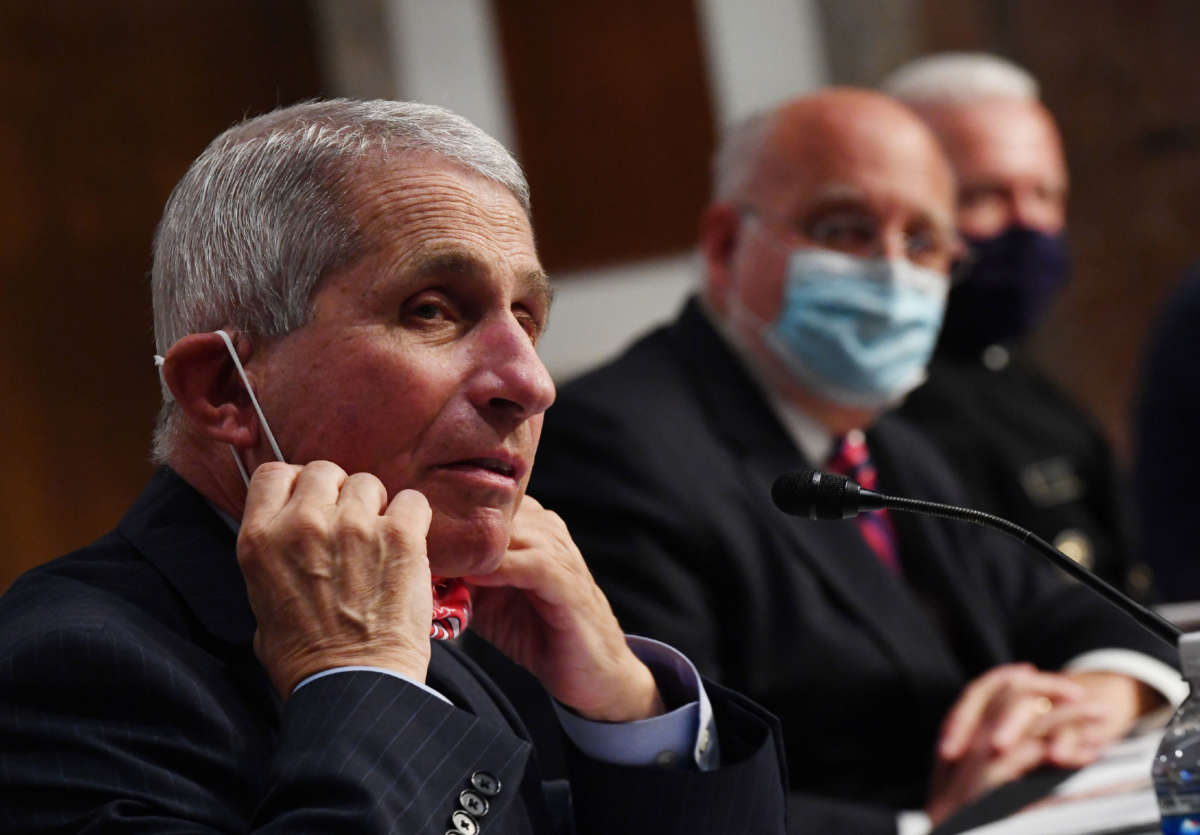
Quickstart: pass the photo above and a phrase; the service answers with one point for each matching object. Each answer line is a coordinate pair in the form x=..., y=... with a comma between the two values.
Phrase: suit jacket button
x=463, y=823
x=486, y=783
x=473, y=803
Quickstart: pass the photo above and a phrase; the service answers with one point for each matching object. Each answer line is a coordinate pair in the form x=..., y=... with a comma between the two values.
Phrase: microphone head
x=816, y=495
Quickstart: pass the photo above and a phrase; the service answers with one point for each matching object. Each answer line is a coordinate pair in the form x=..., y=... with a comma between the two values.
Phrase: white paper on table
x=1112, y=794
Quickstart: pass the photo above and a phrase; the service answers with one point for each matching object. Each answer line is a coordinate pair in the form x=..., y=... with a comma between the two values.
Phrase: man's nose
x=509, y=373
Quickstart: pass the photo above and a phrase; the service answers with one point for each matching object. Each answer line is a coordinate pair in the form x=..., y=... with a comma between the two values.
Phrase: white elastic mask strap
x=237, y=363
x=162, y=381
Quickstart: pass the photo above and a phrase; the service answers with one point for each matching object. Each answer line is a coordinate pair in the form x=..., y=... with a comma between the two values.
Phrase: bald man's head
x=847, y=171
x=776, y=153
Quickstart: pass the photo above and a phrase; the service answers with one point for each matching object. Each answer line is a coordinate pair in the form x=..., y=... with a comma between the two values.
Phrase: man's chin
x=467, y=547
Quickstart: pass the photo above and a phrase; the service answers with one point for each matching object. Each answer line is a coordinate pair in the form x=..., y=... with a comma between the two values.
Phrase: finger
x=1017, y=720
x=1020, y=759
x=995, y=704
x=559, y=587
x=1072, y=747
x=533, y=525
x=530, y=503
x=318, y=485
x=363, y=491
x=522, y=567
x=269, y=490
x=410, y=509
x=964, y=717
x=1088, y=713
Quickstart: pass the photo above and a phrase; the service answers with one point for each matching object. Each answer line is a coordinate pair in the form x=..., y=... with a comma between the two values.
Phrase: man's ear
x=204, y=382
x=720, y=226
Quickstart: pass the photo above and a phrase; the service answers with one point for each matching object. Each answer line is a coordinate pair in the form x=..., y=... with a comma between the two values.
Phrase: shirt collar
x=805, y=431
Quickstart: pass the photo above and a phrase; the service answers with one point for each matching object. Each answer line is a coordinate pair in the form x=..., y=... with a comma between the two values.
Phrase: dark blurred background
x=613, y=107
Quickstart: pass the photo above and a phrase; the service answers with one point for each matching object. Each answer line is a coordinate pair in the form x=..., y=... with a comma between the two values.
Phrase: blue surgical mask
x=857, y=331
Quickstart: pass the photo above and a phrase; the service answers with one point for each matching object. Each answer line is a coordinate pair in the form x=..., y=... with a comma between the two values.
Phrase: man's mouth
x=499, y=466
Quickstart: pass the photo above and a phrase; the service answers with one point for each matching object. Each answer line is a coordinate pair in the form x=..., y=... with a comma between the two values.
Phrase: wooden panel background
x=106, y=102
x=1123, y=79
x=614, y=124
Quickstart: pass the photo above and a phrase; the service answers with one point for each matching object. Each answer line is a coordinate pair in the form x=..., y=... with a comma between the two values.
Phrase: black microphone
x=818, y=495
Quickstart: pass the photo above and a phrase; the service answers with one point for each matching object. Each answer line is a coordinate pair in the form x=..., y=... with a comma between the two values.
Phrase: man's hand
x=1016, y=718
x=542, y=608
x=336, y=575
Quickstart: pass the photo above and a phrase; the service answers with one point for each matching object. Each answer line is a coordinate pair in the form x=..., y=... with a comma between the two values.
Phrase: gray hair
x=266, y=210
x=958, y=78
x=736, y=158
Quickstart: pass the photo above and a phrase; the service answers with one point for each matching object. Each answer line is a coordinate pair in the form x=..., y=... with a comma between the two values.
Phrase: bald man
x=1023, y=447
x=916, y=663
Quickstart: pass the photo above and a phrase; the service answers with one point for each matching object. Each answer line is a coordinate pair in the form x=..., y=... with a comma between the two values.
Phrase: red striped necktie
x=850, y=458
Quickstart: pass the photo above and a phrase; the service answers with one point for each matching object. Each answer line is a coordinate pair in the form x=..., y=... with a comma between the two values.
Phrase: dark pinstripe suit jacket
x=131, y=701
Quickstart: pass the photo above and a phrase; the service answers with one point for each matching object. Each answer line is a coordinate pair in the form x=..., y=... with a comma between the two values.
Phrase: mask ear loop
x=237, y=363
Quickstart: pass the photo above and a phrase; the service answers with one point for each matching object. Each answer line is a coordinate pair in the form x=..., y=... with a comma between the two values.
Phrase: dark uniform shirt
x=1028, y=453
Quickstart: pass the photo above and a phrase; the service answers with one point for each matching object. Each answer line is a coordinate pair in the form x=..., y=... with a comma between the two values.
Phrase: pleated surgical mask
x=857, y=331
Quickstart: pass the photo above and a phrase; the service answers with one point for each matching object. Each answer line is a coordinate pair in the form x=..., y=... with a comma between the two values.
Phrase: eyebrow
x=536, y=282
x=843, y=192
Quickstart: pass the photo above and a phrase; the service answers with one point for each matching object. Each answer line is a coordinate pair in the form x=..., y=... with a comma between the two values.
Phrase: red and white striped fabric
x=451, y=608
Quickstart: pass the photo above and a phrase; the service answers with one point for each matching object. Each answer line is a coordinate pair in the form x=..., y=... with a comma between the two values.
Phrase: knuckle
x=306, y=524
x=275, y=470
x=253, y=539
x=400, y=535
x=354, y=534
x=325, y=468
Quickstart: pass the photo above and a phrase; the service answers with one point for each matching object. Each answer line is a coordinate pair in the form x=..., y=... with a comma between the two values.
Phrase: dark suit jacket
x=662, y=462
x=1167, y=443
x=131, y=701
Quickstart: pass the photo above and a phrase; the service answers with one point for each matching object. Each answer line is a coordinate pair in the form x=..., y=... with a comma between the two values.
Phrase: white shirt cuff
x=1150, y=671
x=913, y=823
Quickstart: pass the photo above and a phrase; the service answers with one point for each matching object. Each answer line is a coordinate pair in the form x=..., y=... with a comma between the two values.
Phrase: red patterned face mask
x=451, y=608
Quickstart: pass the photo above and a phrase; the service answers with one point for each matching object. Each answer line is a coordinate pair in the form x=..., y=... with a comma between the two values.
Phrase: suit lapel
x=966, y=610
x=184, y=538
x=195, y=550
x=836, y=551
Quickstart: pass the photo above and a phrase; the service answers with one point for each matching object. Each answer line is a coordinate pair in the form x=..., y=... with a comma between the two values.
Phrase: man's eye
x=426, y=310
x=922, y=241
x=529, y=322
x=843, y=231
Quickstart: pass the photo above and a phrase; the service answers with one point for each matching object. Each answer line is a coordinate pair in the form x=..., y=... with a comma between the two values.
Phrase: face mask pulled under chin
x=856, y=331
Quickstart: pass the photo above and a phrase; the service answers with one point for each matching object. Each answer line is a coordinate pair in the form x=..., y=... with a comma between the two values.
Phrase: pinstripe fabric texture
x=131, y=701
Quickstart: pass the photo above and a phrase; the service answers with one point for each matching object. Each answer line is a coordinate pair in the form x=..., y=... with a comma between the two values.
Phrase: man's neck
x=786, y=395
x=214, y=476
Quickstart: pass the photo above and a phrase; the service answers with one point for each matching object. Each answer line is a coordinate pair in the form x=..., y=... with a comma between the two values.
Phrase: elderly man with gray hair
x=347, y=302
x=1023, y=447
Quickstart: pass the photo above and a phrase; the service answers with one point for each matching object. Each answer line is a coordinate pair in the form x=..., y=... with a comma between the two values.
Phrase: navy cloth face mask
x=1004, y=288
